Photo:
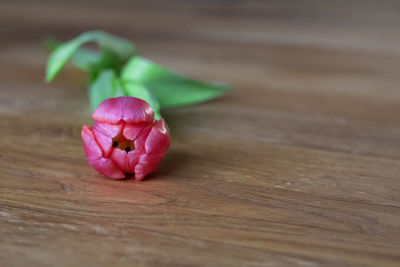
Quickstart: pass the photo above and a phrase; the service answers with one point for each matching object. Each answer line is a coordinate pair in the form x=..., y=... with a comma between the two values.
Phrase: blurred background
x=267, y=38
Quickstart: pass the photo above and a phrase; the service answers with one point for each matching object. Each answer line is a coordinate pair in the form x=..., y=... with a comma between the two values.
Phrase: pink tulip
x=125, y=138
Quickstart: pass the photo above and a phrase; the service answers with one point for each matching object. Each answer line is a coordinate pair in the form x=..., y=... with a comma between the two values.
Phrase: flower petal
x=158, y=140
x=108, y=168
x=156, y=145
x=110, y=130
x=146, y=165
x=126, y=161
x=95, y=156
x=133, y=130
x=92, y=149
x=126, y=108
x=105, y=142
x=140, y=140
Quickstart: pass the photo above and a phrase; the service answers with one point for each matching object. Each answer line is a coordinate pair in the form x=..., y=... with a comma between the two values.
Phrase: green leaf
x=115, y=52
x=84, y=59
x=140, y=91
x=170, y=88
x=105, y=86
x=108, y=60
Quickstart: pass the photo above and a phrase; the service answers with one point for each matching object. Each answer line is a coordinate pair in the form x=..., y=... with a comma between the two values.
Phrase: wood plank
x=298, y=165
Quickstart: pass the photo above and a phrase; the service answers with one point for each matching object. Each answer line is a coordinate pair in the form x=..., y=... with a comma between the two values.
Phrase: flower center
x=122, y=143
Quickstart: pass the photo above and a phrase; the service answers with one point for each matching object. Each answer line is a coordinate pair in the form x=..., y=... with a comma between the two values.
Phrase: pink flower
x=125, y=138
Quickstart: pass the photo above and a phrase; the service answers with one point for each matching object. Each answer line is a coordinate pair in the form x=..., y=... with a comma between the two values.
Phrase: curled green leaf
x=170, y=88
x=84, y=59
x=115, y=52
x=117, y=71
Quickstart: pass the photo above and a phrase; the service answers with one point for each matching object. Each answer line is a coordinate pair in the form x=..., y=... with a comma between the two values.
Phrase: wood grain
x=298, y=165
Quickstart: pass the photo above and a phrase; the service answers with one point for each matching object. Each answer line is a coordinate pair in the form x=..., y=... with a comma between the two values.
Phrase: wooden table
x=298, y=165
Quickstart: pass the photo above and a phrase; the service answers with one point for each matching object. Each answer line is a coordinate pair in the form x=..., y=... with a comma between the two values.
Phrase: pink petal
x=147, y=164
x=110, y=130
x=126, y=161
x=132, y=130
x=95, y=157
x=108, y=168
x=158, y=140
x=126, y=108
x=105, y=142
x=140, y=140
x=156, y=145
x=90, y=145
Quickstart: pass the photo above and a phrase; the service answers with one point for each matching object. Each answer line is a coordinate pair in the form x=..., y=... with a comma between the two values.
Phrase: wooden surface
x=298, y=165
